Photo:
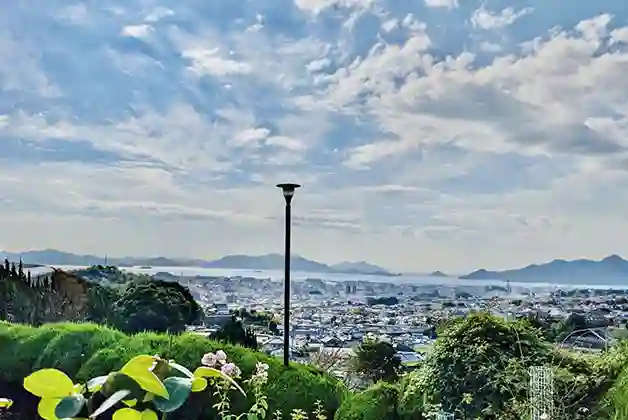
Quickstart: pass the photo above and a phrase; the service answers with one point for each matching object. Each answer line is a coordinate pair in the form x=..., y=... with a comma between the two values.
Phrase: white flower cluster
x=219, y=360
x=260, y=376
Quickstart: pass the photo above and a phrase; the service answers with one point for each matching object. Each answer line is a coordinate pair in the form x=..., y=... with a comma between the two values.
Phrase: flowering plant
x=256, y=382
x=145, y=386
x=148, y=385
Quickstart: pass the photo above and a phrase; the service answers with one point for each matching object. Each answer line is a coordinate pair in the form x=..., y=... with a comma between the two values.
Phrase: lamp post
x=288, y=193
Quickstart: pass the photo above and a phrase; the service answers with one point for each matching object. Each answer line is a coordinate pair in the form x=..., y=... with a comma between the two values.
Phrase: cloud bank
x=427, y=135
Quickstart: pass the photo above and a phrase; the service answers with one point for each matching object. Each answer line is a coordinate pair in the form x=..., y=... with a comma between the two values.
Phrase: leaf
x=96, y=383
x=70, y=406
x=179, y=389
x=5, y=403
x=181, y=369
x=46, y=408
x=126, y=414
x=49, y=383
x=140, y=369
x=118, y=381
x=130, y=403
x=199, y=384
x=115, y=398
x=207, y=372
x=149, y=415
x=143, y=361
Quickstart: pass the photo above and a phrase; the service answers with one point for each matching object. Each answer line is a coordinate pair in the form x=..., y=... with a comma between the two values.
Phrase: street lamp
x=288, y=193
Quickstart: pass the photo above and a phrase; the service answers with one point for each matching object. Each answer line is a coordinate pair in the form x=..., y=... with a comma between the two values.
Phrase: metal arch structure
x=541, y=391
x=606, y=339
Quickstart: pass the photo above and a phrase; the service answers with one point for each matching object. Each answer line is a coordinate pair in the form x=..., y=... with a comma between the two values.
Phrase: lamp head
x=288, y=191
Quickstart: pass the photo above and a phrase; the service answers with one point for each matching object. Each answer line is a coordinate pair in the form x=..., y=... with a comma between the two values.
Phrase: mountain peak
x=611, y=269
x=613, y=259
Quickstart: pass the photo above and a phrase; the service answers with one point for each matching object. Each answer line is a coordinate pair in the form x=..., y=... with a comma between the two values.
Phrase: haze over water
x=278, y=275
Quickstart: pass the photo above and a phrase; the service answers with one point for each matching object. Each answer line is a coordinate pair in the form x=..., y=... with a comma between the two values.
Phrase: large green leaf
x=70, y=406
x=115, y=398
x=47, y=407
x=179, y=389
x=49, y=383
x=140, y=368
x=118, y=381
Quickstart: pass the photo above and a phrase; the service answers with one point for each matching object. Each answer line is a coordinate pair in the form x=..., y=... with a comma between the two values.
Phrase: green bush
x=379, y=402
x=84, y=351
x=479, y=368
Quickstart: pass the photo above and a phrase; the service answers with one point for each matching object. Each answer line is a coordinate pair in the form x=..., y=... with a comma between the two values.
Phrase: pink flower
x=209, y=360
x=230, y=369
x=221, y=357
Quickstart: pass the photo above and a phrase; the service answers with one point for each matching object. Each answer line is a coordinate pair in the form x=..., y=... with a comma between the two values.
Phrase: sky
x=428, y=134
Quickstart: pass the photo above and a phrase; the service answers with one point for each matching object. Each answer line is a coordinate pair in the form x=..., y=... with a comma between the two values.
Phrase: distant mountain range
x=612, y=269
x=259, y=262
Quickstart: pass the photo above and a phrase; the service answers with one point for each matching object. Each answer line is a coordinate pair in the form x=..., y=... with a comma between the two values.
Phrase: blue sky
x=428, y=134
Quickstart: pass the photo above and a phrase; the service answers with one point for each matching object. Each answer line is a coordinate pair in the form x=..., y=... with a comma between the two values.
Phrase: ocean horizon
x=278, y=275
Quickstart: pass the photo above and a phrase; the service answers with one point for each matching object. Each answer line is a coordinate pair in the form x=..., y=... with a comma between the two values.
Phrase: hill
x=612, y=269
x=360, y=267
x=255, y=262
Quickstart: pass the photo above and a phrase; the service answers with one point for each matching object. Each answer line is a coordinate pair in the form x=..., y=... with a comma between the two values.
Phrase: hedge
x=84, y=351
x=379, y=402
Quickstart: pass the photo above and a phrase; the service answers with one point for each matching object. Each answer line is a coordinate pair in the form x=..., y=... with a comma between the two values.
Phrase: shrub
x=479, y=368
x=85, y=351
x=379, y=402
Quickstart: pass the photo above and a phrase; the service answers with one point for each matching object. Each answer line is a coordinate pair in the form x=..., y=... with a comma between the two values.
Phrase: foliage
x=156, y=305
x=234, y=332
x=379, y=402
x=144, y=386
x=101, y=306
x=377, y=360
x=84, y=351
x=128, y=302
x=478, y=369
x=254, y=317
x=36, y=300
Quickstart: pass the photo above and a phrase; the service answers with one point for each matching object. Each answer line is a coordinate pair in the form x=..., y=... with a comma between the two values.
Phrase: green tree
x=234, y=332
x=101, y=306
x=155, y=305
x=377, y=360
x=273, y=328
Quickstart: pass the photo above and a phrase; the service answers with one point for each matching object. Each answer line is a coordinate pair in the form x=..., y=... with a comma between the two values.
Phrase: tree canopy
x=377, y=360
x=156, y=305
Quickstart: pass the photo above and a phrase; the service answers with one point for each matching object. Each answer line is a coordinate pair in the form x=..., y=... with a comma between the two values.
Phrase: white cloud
x=487, y=20
x=448, y=4
x=137, y=31
x=209, y=62
x=421, y=142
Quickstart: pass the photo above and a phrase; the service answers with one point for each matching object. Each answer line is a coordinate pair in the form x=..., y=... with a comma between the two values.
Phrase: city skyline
x=437, y=135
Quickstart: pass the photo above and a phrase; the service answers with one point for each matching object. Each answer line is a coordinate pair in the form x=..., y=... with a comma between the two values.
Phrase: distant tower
x=444, y=416
x=106, y=260
x=541, y=392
